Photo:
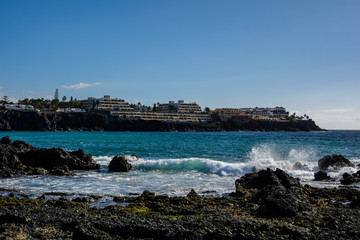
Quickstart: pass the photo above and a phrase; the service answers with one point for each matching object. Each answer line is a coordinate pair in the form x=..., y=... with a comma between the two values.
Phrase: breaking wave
x=298, y=163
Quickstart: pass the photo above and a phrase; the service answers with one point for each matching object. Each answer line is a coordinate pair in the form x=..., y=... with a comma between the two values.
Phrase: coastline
x=266, y=204
x=34, y=121
x=315, y=214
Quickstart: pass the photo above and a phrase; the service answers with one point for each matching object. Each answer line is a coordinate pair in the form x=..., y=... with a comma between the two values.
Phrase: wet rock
x=300, y=166
x=87, y=231
x=334, y=162
x=349, y=179
x=5, y=140
x=84, y=199
x=135, y=156
x=61, y=171
x=322, y=176
x=192, y=195
x=37, y=171
x=147, y=194
x=119, y=164
x=22, y=158
x=278, y=194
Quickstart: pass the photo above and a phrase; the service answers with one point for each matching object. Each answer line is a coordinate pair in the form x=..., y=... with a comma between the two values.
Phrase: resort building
x=71, y=110
x=164, y=116
x=179, y=107
x=227, y=113
x=19, y=107
x=262, y=112
x=106, y=104
x=171, y=112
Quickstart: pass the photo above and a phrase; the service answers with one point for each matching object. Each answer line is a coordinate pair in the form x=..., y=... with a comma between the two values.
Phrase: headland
x=15, y=120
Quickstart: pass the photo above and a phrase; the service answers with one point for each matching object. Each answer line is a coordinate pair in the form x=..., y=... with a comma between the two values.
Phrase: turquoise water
x=174, y=163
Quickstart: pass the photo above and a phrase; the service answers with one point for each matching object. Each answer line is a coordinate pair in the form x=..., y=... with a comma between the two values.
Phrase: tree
x=5, y=100
x=154, y=108
x=207, y=109
x=64, y=98
x=55, y=104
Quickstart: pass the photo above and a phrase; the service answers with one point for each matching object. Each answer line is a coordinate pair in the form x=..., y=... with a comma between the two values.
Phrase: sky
x=302, y=55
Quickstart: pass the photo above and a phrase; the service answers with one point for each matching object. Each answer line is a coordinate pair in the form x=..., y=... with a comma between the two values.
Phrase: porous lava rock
x=350, y=178
x=277, y=193
x=120, y=164
x=20, y=157
x=334, y=162
x=322, y=176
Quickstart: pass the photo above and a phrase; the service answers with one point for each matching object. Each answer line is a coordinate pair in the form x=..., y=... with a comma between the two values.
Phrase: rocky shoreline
x=98, y=121
x=266, y=204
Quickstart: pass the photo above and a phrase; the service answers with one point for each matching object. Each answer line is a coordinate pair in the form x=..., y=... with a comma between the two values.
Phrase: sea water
x=173, y=163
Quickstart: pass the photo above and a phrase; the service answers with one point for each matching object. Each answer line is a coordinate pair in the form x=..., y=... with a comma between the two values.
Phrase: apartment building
x=179, y=107
x=164, y=116
x=263, y=112
x=106, y=103
x=227, y=113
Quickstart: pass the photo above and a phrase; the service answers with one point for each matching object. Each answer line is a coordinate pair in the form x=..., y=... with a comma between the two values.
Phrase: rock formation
x=334, y=162
x=20, y=157
x=120, y=164
x=322, y=176
x=277, y=194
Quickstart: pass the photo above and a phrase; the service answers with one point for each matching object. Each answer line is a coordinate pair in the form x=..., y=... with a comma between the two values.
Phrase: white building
x=179, y=107
x=19, y=107
x=106, y=103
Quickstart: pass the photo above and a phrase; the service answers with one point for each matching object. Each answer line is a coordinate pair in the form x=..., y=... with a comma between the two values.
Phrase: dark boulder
x=5, y=140
x=192, y=195
x=119, y=164
x=350, y=178
x=22, y=158
x=322, y=176
x=278, y=194
x=334, y=162
x=57, y=157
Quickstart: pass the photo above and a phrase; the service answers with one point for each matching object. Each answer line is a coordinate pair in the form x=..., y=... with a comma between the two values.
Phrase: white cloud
x=1, y=87
x=338, y=110
x=81, y=85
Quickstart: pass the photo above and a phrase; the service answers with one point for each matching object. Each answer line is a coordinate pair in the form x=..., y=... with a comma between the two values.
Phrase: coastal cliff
x=40, y=121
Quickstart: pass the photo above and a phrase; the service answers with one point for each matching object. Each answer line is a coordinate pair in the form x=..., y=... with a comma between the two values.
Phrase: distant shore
x=12, y=120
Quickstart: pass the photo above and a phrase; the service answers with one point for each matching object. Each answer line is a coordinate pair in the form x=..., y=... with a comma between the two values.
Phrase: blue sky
x=303, y=55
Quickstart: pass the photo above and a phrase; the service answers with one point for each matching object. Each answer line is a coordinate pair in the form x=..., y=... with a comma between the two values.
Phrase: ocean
x=173, y=163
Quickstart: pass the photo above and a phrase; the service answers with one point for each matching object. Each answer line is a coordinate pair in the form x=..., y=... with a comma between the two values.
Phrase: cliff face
x=36, y=121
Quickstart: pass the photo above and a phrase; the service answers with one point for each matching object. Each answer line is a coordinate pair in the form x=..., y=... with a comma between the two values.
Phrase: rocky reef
x=266, y=205
x=19, y=157
x=12, y=120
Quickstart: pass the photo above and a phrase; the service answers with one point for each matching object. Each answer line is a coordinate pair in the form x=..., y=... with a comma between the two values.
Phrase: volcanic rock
x=22, y=158
x=350, y=178
x=322, y=176
x=192, y=195
x=278, y=194
x=334, y=162
x=5, y=140
x=120, y=164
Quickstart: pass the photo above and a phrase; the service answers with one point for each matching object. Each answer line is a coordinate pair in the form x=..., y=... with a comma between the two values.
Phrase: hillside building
x=106, y=103
x=257, y=112
x=171, y=112
x=179, y=107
